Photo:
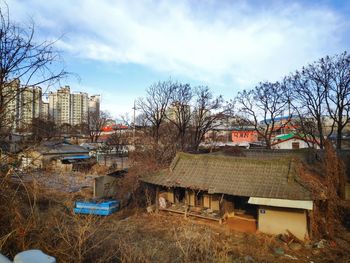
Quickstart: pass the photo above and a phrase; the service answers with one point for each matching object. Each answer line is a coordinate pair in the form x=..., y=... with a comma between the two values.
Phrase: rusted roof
x=240, y=176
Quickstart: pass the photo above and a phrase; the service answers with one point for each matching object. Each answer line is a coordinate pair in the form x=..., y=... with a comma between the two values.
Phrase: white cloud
x=242, y=43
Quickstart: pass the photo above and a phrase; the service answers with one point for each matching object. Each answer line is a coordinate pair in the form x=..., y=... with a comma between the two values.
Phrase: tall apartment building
x=9, y=105
x=79, y=108
x=94, y=104
x=59, y=105
x=19, y=105
x=71, y=108
x=44, y=114
x=30, y=105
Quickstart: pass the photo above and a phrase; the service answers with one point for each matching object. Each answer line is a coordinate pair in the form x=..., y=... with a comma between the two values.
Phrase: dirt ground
x=241, y=224
x=167, y=237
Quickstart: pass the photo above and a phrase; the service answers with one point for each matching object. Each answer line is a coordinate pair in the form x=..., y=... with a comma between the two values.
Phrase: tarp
x=308, y=205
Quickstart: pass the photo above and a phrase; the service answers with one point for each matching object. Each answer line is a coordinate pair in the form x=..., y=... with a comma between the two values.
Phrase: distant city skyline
x=62, y=106
x=119, y=48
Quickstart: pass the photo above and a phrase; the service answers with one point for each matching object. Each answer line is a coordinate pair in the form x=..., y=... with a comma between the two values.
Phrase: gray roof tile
x=233, y=175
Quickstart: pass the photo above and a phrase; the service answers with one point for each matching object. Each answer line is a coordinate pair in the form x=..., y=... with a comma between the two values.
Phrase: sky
x=119, y=48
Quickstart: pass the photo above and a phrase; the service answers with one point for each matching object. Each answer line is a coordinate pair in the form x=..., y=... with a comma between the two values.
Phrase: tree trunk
x=320, y=131
x=339, y=136
x=339, y=128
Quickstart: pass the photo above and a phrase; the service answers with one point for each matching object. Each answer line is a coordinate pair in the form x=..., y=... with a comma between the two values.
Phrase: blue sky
x=119, y=48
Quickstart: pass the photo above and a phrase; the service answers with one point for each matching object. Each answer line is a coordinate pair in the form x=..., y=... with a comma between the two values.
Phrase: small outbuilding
x=266, y=193
x=60, y=155
x=293, y=141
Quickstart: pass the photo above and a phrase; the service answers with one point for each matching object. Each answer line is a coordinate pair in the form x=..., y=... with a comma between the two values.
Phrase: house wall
x=58, y=166
x=31, y=159
x=206, y=201
x=168, y=195
x=347, y=191
x=190, y=198
x=215, y=202
x=244, y=136
x=209, y=201
x=275, y=220
x=288, y=144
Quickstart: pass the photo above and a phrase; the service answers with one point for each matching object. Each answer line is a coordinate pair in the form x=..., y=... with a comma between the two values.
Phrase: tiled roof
x=61, y=148
x=240, y=176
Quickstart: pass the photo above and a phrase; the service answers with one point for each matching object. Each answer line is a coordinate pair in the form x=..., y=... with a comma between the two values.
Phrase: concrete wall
x=105, y=186
x=275, y=220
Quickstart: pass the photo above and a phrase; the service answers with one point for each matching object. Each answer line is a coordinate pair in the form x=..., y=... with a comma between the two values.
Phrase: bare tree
x=206, y=111
x=43, y=129
x=141, y=121
x=22, y=61
x=338, y=93
x=309, y=94
x=96, y=122
x=155, y=105
x=126, y=119
x=267, y=101
x=180, y=111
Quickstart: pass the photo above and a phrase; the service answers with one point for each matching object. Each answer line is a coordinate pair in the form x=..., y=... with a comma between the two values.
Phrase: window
x=295, y=145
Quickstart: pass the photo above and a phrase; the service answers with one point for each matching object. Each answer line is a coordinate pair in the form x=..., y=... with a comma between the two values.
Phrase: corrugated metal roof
x=239, y=176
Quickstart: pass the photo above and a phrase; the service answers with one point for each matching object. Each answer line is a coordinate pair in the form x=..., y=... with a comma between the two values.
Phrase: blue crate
x=96, y=208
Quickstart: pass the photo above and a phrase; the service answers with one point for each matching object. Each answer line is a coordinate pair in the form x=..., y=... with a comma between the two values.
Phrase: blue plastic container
x=96, y=208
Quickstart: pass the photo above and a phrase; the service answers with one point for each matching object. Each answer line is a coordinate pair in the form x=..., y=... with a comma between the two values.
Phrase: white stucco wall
x=288, y=144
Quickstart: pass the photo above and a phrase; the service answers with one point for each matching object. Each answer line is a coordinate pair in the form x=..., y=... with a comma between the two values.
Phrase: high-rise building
x=20, y=105
x=79, y=108
x=9, y=105
x=71, y=108
x=94, y=104
x=44, y=114
x=59, y=105
x=30, y=105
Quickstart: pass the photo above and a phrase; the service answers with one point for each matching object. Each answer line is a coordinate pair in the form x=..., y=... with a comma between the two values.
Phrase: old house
x=293, y=141
x=264, y=192
x=60, y=155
